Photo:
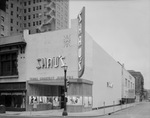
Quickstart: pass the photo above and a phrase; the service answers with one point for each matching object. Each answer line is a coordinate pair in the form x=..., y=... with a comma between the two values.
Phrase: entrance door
x=8, y=100
x=2, y=100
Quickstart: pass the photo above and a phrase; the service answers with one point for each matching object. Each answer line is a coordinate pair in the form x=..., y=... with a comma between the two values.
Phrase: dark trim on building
x=59, y=81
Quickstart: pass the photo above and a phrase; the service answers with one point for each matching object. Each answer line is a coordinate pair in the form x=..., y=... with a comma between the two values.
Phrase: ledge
x=9, y=77
x=59, y=81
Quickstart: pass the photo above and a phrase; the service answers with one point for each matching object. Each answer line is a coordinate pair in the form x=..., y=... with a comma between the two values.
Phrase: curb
x=38, y=115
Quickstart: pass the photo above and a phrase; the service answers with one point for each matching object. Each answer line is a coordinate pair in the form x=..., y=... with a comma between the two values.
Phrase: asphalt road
x=141, y=110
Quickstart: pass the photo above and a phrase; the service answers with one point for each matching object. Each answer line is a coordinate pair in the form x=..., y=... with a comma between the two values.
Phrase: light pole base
x=65, y=113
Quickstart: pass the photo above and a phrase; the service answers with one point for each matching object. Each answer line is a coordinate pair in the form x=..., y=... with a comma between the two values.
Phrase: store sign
x=53, y=62
x=110, y=84
x=81, y=42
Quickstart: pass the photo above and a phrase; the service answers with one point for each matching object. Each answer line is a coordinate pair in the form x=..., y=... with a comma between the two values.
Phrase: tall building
x=139, y=84
x=36, y=15
x=4, y=27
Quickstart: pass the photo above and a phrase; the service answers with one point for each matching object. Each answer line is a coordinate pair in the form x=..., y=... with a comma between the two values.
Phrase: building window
x=40, y=22
x=11, y=28
x=11, y=20
x=40, y=7
x=17, y=8
x=29, y=2
x=8, y=64
x=128, y=84
x=24, y=24
x=37, y=7
x=11, y=13
x=2, y=18
x=37, y=15
x=33, y=23
x=25, y=3
x=125, y=82
x=33, y=15
x=29, y=24
x=11, y=5
x=37, y=23
x=29, y=9
x=24, y=17
x=29, y=17
x=37, y=30
x=2, y=27
x=6, y=6
x=33, y=8
x=25, y=10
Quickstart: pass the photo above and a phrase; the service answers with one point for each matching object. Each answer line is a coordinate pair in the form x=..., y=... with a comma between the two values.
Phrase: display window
x=13, y=99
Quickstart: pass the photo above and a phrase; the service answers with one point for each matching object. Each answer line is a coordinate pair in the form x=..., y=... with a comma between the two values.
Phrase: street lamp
x=65, y=90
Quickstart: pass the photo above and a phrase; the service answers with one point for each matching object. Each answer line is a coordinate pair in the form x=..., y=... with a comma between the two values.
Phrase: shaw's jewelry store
x=31, y=70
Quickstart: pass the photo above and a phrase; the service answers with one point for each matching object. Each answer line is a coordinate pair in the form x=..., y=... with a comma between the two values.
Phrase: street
x=141, y=110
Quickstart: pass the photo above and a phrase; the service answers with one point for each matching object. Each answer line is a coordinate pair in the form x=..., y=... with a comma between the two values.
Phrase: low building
x=128, y=86
x=32, y=70
x=139, y=84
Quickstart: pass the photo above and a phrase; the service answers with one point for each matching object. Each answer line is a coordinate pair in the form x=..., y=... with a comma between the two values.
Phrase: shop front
x=49, y=94
x=13, y=96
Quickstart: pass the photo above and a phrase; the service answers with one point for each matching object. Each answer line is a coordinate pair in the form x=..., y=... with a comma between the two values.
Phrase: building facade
x=139, y=84
x=36, y=15
x=33, y=71
x=128, y=86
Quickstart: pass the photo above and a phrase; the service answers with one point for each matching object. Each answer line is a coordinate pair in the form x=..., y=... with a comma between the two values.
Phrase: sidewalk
x=98, y=112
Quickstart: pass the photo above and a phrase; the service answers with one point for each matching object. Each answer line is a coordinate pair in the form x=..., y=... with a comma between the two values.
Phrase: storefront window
x=13, y=100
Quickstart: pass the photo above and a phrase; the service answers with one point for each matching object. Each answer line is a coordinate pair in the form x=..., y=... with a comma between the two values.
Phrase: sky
x=121, y=28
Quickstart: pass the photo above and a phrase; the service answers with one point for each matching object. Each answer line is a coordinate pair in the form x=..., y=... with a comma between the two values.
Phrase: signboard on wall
x=81, y=42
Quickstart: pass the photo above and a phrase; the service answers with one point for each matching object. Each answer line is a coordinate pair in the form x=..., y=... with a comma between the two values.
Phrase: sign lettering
x=81, y=42
x=53, y=62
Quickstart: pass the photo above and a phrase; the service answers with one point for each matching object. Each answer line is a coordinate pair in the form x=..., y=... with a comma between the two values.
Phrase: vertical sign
x=81, y=42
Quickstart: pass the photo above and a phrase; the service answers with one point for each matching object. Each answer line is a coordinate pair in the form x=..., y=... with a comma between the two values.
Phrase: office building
x=36, y=15
x=4, y=27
